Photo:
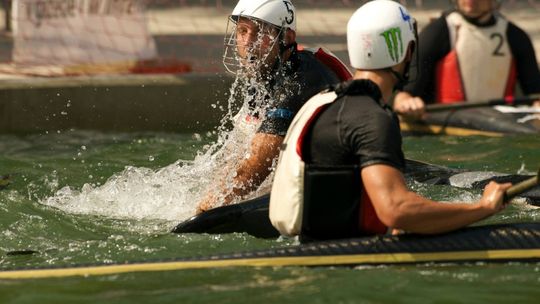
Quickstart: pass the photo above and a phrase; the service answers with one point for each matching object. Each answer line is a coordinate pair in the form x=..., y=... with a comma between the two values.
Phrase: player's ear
x=290, y=36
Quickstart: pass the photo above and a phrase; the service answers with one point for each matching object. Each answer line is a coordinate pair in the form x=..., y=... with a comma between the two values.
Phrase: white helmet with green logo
x=280, y=13
x=378, y=35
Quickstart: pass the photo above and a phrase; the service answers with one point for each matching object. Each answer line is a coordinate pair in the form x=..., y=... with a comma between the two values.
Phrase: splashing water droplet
x=172, y=192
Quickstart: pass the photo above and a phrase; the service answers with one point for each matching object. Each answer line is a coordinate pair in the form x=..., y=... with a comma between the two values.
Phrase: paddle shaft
x=527, y=100
x=519, y=188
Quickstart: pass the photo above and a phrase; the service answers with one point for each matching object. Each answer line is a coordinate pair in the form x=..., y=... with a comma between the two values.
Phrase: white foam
x=173, y=192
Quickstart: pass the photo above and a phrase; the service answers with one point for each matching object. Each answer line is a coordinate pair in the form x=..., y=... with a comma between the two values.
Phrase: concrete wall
x=112, y=103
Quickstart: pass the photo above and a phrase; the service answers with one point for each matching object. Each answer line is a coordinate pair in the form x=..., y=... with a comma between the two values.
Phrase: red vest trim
x=512, y=79
x=478, y=67
x=300, y=143
x=331, y=61
x=369, y=221
x=448, y=84
x=334, y=64
x=449, y=87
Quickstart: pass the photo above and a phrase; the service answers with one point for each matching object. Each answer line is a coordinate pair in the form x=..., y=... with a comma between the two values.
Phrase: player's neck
x=382, y=78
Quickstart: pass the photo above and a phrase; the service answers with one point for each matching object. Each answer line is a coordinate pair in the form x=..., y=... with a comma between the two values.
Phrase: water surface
x=152, y=173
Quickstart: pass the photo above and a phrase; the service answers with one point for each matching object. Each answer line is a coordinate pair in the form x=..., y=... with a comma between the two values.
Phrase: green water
x=40, y=165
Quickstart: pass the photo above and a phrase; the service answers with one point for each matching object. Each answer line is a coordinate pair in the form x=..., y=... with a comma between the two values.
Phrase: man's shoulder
x=363, y=107
x=361, y=116
x=306, y=57
x=308, y=61
x=326, y=96
x=311, y=68
x=437, y=25
x=514, y=30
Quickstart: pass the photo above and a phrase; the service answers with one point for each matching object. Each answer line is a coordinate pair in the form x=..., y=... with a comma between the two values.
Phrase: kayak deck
x=490, y=243
x=468, y=122
x=251, y=216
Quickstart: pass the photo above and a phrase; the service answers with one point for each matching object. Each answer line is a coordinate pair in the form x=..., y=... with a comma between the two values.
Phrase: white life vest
x=286, y=199
x=480, y=65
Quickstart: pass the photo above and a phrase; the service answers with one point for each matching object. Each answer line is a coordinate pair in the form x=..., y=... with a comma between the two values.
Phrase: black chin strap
x=285, y=47
x=282, y=49
x=402, y=80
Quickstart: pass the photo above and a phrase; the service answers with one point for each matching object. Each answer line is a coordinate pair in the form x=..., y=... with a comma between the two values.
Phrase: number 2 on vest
x=500, y=42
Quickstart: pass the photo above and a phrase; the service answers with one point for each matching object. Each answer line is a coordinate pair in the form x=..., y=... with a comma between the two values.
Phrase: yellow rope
x=335, y=260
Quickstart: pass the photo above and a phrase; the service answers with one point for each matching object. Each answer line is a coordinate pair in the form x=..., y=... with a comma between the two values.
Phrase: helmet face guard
x=250, y=45
x=257, y=49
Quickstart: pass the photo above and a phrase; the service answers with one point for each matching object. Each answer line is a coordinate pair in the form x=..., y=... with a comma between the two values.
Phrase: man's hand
x=409, y=106
x=213, y=200
x=493, y=196
x=206, y=204
x=399, y=208
x=536, y=104
x=250, y=172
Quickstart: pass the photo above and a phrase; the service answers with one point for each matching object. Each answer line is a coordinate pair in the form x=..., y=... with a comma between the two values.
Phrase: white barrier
x=68, y=32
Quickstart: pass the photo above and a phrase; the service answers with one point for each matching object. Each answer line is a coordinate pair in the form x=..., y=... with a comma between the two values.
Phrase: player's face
x=256, y=41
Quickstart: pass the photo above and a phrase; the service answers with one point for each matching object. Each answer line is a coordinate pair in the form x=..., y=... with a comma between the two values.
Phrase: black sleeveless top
x=356, y=129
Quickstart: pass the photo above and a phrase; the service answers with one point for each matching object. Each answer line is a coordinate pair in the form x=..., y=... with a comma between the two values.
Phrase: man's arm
x=526, y=64
x=409, y=106
x=250, y=172
x=434, y=45
x=399, y=208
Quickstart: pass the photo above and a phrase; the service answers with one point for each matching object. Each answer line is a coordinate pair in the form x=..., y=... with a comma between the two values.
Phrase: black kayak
x=251, y=216
x=477, y=121
x=490, y=243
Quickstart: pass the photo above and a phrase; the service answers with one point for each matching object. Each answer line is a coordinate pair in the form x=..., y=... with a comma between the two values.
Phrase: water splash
x=172, y=193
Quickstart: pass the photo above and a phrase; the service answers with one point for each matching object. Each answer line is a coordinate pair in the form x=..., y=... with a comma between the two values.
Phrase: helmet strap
x=400, y=84
x=283, y=47
x=402, y=79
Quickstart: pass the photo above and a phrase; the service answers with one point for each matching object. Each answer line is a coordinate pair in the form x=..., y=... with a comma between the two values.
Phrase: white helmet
x=268, y=14
x=378, y=35
x=280, y=13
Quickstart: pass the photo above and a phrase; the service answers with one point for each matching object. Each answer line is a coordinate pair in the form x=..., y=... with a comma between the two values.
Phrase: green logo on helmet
x=393, y=38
